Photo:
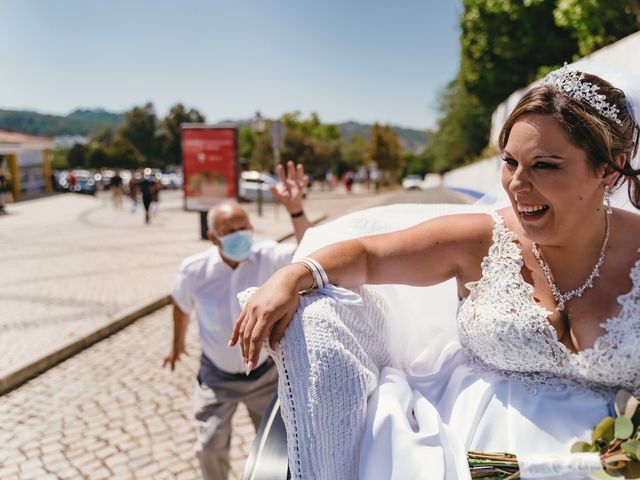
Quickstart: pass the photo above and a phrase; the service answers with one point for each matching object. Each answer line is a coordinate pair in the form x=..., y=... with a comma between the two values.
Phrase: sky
x=361, y=60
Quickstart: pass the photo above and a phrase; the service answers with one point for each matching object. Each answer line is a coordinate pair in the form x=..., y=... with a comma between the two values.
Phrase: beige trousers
x=216, y=399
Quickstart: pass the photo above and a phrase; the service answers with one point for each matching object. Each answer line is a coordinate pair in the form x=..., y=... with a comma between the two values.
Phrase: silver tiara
x=571, y=83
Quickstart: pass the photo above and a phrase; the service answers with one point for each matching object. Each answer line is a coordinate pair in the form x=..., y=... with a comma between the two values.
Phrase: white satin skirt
x=420, y=425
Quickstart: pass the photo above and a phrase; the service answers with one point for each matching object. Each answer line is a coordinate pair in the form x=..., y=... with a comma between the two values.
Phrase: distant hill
x=88, y=122
x=79, y=122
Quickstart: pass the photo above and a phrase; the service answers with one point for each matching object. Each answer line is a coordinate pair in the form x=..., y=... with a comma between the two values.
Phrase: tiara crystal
x=572, y=83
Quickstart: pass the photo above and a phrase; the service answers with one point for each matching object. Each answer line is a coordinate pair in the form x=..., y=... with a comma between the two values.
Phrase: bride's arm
x=427, y=254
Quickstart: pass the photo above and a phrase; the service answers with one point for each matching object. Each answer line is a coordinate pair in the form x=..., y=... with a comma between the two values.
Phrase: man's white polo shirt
x=207, y=283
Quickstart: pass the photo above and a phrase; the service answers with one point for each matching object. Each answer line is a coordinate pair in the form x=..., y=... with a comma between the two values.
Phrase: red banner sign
x=210, y=165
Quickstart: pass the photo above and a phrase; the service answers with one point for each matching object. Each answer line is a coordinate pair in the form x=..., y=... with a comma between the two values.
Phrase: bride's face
x=553, y=191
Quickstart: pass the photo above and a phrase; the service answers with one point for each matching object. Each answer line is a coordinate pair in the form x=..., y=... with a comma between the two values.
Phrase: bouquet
x=615, y=440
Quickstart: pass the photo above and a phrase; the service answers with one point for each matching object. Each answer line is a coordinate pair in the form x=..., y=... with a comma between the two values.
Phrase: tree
x=596, y=23
x=98, y=157
x=104, y=136
x=124, y=154
x=318, y=146
x=246, y=144
x=171, y=132
x=262, y=158
x=139, y=129
x=504, y=42
x=463, y=129
x=77, y=156
x=60, y=158
x=384, y=149
x=417, y=164
x=354, y=155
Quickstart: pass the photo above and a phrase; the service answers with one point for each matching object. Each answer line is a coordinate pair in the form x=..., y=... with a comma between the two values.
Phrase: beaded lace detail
x=503, y=329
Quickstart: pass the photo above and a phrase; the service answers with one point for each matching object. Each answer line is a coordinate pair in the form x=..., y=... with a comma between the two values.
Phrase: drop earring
x=606, y=200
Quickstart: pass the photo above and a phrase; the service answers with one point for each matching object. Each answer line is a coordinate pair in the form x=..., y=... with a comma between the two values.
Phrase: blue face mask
x=236, y=246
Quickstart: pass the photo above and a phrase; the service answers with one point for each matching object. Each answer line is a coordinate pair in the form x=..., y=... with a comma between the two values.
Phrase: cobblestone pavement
x=111, y=412
x=72, y=263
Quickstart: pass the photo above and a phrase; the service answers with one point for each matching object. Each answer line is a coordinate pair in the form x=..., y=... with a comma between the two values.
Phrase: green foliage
x=98, y=157
x=77, y=157
x=141, y=140
x=170, y=138
x=59, y=158
x=462, y=131
x=506, y=44
x=123, y=153
x=80, y=122
x=383, y=148
x=353, y=155
x=139, y=129
x=246, y=143
x=262, y=157
x=596, y=23
x=104, y=136
x=418, y=164
x=316, y=145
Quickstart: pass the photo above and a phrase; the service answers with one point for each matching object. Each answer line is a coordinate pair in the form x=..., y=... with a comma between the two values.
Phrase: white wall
x=482, y=176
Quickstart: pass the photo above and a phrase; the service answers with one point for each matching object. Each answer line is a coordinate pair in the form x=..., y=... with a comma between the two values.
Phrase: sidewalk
x=73, y=266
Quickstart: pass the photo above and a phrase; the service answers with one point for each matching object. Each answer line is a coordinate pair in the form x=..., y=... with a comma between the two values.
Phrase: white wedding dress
x=402, y=386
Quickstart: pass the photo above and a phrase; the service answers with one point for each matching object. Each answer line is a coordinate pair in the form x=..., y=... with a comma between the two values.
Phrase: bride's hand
x=268, y=313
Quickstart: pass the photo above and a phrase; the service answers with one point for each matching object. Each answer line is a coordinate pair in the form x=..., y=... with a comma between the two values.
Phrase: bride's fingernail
x=229, y=345
x=248, y=368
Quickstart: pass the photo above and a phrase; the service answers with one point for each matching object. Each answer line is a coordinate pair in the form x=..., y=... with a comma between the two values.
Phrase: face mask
x=237, y=245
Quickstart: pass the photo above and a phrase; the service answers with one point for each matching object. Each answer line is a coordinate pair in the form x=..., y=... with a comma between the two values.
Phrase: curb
x=123, y=319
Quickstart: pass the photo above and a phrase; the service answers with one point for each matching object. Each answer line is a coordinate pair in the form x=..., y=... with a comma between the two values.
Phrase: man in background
x=209, y=282
x=117, y=189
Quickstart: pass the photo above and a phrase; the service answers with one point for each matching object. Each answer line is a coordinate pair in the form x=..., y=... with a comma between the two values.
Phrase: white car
x=412, y=182
x=251, y=182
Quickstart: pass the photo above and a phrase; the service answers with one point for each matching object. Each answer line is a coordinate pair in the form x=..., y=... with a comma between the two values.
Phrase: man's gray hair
x=211, y=214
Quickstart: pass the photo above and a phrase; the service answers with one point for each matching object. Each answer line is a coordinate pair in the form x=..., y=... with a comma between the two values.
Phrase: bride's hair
x=600, y=137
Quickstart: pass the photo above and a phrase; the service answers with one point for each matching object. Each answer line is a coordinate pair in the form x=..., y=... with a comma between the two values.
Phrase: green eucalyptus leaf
x=604, y=430
x=580, y=447
x=630, y=447
x=623, y=428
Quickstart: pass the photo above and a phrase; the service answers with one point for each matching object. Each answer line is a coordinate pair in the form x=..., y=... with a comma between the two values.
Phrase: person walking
x=209, y=282
x=117, y=189
x=146, y=186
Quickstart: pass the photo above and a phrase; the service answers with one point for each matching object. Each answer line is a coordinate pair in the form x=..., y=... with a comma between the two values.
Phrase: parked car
x=103, y=179
x=61, y=180
x=85, y=182
x=412, y=182
x=171, y=180
x=252, y=181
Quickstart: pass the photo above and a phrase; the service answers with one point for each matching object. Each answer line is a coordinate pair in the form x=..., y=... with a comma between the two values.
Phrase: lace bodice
x=502, y=328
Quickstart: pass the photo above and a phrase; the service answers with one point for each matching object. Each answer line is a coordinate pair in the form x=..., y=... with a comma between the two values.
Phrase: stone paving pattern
x=71, y=263
x=111, y=412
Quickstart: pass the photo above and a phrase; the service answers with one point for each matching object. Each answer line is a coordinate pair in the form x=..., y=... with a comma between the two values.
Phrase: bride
x=548, y=325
